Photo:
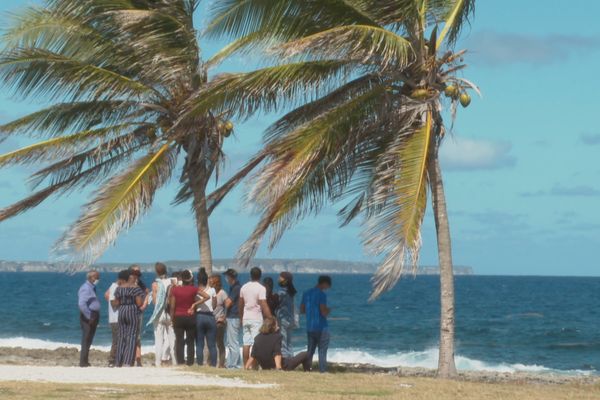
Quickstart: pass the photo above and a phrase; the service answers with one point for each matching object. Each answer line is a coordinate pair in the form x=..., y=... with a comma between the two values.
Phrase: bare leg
x=246, y=353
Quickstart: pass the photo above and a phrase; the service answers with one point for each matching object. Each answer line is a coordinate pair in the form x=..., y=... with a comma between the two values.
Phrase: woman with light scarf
x=164, y=335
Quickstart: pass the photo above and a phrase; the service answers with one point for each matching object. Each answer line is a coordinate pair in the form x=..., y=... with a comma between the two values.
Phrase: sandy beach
x=51, y=374
x=56, y=362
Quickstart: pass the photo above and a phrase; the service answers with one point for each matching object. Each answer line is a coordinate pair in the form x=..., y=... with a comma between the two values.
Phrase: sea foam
x=429, y=359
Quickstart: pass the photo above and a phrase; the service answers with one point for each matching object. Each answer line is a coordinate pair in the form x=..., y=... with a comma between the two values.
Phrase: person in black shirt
x=266, y=351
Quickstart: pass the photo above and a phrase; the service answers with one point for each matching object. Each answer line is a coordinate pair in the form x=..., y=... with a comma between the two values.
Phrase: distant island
x=299, y=266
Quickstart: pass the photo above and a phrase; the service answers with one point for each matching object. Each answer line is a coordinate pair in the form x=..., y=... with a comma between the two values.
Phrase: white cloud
x=501, y=48
x=464, y=154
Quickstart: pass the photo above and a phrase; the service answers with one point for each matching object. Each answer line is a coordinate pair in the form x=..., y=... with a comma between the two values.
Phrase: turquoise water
x=503, y=323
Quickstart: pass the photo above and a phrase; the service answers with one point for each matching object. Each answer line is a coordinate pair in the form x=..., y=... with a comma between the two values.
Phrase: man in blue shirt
x=314, y=305
x=89, y=315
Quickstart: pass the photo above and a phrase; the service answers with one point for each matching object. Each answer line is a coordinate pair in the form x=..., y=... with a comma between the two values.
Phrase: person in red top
x=181, y=299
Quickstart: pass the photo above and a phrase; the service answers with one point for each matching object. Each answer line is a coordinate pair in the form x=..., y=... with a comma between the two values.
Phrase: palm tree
x=118, y=75
x=366, y=79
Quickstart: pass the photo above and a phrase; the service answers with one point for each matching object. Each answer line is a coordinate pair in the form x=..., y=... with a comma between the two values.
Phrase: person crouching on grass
x=266, y=351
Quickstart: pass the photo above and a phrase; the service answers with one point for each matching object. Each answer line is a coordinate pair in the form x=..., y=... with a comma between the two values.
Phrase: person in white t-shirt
x=113, y=319
x=253, y=307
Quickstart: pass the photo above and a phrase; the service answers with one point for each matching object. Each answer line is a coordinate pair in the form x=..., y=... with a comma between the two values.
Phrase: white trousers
x=164, y=342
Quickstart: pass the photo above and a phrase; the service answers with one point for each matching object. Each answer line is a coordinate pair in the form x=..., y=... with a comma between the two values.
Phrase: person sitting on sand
x=89, y=315
x=180, y=300
x=164, y=335
x=266, y=351
x=129, y=298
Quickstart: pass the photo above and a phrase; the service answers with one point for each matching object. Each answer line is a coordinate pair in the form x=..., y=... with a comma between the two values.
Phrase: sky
x=521, y=168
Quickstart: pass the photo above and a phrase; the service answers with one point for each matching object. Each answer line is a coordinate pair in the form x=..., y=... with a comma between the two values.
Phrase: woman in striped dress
x=128, y=298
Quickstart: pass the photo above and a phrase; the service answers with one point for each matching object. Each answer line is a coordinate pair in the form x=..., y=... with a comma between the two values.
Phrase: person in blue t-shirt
x=314, y=305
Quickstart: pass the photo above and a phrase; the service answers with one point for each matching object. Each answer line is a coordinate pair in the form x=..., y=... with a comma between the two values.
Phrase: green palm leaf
x=118, y=204
x=362, y=43
x=402, y=192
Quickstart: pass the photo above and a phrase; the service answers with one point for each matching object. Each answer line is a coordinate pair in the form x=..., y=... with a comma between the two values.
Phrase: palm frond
x=117, y=205
x=289, y=18
x=362, y=43
x=402, y=194
x=266, y=89
x=64, y=146
x=64, y=185
x=31, y=71
x=458, y=14
x=307, y=167
x=60, y=118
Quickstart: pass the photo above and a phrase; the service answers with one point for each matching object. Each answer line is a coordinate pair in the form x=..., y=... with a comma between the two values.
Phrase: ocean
x=503, y=323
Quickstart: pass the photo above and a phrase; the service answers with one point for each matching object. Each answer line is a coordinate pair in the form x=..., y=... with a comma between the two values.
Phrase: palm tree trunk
x=446, y=365
x=201, y=212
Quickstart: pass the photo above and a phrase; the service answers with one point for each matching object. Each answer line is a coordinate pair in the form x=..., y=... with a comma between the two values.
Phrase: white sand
x=119, y=376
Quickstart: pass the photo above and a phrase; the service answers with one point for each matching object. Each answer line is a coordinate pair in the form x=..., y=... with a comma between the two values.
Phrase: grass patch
x=302, y=386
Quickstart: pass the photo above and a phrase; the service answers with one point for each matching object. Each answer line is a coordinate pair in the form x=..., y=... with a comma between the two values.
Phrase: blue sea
x=503, y=323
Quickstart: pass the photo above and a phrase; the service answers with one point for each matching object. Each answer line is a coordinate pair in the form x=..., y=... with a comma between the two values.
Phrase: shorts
x=251, y=330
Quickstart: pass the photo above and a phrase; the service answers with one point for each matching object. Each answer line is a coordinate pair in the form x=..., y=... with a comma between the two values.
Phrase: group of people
x=190, y=315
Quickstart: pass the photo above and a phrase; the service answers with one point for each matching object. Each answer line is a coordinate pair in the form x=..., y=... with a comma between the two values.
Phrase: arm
x=107, y=294
x=265, y=308
x=140, y=302
x=172, y=302
x=302, y=309
x=241, y=308
x=145, y=299
x=204, y=297
x=228, y=303
x=323, y=306
x=154, y=292
x=83, y=298
x=251, y=363
x=278, y=362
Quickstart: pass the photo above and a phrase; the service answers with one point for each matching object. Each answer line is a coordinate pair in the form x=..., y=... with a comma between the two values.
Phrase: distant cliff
x=302, y=266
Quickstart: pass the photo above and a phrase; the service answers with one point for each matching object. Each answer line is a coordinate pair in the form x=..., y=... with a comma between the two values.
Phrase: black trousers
x=290, y=364
x=185, y=335
x=88, y=330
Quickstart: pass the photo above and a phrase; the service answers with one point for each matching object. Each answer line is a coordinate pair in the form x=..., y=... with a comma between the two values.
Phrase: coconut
x=420, y=94
x=465, y=99
x=451, y=91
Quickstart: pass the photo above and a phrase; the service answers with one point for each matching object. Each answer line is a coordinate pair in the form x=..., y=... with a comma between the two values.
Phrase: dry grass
x=301, y=386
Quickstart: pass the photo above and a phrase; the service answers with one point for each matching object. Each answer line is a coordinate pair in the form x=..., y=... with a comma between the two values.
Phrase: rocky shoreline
x=69, y=356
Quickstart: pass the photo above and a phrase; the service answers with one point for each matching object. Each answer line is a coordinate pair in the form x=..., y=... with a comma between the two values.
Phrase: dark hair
x=289, y=282
x=255, y=274
x=124, y=275
x=325, y=280
x=176, y=274
x=202, y=277
x=232, y=273
x=160, y=268
x=135, y=270
x=186, y=277
x=268, y=283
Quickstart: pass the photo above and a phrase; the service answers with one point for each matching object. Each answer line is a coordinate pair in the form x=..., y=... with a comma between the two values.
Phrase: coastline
x=69, y=357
